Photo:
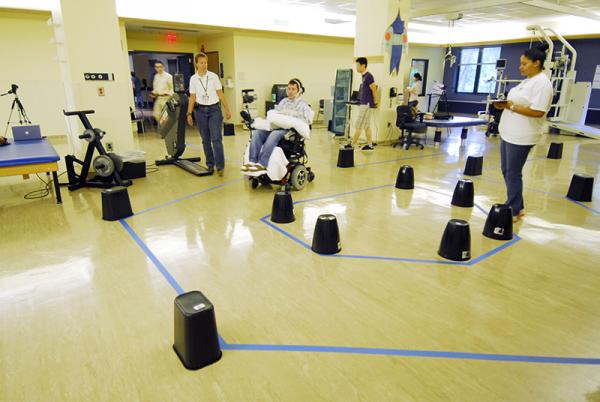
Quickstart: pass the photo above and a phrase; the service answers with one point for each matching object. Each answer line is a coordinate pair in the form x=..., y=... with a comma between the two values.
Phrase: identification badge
x=205, y=98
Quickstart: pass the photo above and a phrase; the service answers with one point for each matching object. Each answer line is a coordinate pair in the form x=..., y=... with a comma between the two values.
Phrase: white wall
x=223, y=43
x=264, y=59
x=30, y=62
x=435, y=71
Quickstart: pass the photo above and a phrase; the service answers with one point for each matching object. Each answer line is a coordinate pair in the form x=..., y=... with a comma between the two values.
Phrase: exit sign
x=99, y=76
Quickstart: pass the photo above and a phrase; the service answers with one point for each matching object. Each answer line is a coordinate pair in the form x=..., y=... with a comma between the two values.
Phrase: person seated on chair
x=415, y=90
x=263, y=142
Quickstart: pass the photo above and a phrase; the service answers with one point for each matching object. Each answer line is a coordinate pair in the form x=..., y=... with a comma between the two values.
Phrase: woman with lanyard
x=522, y=123
x=206, y=91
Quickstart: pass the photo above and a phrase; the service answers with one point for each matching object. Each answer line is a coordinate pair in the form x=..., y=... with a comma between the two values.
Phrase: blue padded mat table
x=29, y=157
x=456, y=121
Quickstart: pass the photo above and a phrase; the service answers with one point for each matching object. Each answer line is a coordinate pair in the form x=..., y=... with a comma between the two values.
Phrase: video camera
x=248, y=96
x=13, y=90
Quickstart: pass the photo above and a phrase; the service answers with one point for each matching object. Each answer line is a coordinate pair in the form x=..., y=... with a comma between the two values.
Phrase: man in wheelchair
x=264, y=141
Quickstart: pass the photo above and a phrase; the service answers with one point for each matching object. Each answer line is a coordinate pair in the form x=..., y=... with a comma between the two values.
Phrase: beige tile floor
x=86, y=315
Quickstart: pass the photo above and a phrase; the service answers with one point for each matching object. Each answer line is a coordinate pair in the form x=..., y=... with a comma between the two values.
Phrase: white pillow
x=262, y=124
x=284, y=121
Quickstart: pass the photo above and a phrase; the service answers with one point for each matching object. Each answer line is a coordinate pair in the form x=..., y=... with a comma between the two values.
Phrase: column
x=373, y=17
x=89, y=40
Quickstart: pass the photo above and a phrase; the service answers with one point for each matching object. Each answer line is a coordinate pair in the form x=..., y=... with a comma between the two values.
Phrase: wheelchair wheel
x=298, y=177
x=254, y=183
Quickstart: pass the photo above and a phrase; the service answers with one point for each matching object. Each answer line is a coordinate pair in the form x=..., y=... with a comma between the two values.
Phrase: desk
x=29, y=157
x=457, y=121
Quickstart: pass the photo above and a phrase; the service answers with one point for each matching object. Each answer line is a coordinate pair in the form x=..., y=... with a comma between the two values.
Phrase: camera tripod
x=23, y=118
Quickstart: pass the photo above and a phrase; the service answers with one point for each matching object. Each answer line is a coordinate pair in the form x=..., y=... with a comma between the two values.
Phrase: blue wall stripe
x=416, y=353
x=161, y=268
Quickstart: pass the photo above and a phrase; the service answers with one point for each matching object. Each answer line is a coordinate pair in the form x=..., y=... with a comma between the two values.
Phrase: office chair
x=321, y=110
x=405, y=120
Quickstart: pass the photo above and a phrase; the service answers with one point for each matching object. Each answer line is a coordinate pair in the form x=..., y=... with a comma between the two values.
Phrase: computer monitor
x=501, y=64
x=278, y=92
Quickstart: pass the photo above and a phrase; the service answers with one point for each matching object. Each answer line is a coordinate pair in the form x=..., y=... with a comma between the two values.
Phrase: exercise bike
x=172, y=126
x=106, y=165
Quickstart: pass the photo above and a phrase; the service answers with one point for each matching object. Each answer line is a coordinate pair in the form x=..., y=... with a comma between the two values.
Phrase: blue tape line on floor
x=162, y=269
x=595, y=211
x=185, y=198
x=416, y=353
x=399, y=159
x=265, y=220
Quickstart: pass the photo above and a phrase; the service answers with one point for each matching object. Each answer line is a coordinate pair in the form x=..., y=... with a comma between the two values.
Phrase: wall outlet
x=109, y=147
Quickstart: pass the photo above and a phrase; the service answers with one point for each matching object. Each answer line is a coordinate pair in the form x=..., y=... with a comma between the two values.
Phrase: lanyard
x=203, y=86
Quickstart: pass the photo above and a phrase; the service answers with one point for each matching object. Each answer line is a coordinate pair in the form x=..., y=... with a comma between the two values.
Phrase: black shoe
x=348, y=146
x=210, y=168
x=367, y=148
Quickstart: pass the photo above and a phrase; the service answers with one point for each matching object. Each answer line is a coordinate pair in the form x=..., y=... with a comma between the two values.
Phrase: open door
x=186, y=67
x=213, y=63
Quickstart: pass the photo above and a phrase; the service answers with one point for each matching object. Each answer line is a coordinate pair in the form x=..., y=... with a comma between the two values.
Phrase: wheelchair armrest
x=291, y=134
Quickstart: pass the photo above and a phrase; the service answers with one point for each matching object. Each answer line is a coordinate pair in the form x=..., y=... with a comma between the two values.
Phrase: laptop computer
x=24, y=133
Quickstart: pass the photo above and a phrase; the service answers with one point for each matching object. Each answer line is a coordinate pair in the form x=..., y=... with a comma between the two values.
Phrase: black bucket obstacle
x=474, y=166
x=555, y=150
x=283, y=208
x=115, y=204
x=581, y=188
x=406, y=178
x=464, y=194
x=196, y=337
x=326, y=237
x=456, y=241
x=499, y=224
x=345, y=158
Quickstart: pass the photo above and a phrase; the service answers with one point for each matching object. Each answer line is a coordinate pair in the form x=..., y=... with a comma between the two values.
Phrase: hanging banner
x=394, y=39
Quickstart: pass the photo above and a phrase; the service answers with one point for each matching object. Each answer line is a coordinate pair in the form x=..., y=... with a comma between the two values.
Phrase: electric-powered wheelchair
x=288, y=163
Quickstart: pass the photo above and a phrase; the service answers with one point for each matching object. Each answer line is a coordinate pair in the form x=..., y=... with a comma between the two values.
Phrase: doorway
x=142, y=64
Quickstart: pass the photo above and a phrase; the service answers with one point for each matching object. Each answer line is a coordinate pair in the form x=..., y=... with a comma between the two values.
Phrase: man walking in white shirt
x=162, y=89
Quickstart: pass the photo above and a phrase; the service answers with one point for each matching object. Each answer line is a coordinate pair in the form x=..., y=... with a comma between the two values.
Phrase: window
x=477, y=70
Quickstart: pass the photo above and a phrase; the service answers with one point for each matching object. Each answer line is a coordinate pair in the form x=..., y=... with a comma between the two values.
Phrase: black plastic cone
x=345, y=158
x=406, y=178
x=464, y=194
x=456, y=241
x=283, y=208
x=326, y=237
x=581, y=188
x=499, y=224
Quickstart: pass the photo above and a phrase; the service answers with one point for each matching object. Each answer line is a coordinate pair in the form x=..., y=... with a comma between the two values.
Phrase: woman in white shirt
x=206, y=91
x=415, y=90
x=522, y=123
